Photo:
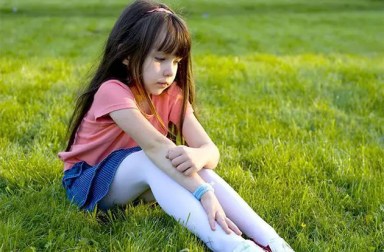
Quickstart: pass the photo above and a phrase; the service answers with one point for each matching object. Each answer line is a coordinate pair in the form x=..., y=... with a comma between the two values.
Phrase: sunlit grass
x=297, y=113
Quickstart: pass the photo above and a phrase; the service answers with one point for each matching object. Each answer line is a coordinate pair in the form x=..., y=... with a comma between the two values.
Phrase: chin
x=157, y=92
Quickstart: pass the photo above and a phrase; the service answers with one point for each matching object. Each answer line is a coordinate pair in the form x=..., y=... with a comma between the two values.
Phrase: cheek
x=148, y=70
x=154, y=68
x=175, y=68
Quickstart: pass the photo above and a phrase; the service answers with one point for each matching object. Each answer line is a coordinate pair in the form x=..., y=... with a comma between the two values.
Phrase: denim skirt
x=86, y=185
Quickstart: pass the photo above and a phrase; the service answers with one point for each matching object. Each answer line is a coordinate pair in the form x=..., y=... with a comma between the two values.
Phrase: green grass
x=292, y=92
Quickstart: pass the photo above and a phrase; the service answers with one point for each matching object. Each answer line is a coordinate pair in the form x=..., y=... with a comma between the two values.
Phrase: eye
x=159, y=59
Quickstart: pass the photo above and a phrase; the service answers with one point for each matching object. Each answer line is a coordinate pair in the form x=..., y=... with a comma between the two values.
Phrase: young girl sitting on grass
x=118, y=150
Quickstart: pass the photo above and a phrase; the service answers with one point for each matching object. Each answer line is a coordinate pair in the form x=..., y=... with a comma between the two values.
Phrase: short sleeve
x=112, y=95
x=176, y=100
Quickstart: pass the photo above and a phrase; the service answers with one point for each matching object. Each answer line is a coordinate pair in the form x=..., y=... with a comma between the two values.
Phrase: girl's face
x=159, y=71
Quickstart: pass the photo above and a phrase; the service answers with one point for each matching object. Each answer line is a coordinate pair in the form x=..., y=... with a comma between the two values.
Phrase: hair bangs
x=176, y=38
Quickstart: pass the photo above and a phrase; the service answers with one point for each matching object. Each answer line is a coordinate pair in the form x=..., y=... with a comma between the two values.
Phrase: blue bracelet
x=201, y=190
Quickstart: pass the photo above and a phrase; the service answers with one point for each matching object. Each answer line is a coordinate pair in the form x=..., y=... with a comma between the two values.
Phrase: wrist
x=202, y=190
x=208, y=195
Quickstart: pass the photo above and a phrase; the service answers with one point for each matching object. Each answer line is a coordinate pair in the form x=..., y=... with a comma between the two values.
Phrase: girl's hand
x=185, y=159
x=216, y=214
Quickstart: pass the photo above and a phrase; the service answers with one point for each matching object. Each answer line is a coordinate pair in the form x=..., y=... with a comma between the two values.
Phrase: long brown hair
x=134, y=34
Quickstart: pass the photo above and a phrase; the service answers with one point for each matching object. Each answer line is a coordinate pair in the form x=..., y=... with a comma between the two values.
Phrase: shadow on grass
x=119, y=212
x=7, y=187
x=214, y=9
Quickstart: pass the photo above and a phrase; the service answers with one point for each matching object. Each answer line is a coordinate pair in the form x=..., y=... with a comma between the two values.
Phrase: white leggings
x=136, y=174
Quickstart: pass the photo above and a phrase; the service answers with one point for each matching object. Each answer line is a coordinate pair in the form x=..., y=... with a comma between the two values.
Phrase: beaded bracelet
x=201, y=190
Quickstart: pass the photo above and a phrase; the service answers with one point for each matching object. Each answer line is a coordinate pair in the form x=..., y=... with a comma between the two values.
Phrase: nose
x=170, y=70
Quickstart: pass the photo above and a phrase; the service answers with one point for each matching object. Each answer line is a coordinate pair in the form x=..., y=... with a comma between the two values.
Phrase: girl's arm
x=200, y=153
x=155, y=145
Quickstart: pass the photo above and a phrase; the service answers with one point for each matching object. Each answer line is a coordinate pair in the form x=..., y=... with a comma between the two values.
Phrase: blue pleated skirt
x=86, y=185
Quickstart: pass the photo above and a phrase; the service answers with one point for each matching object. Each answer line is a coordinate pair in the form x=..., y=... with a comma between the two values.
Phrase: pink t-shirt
x=98, y=135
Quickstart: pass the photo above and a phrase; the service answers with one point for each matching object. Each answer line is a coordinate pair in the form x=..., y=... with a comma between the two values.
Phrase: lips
x=163, y=84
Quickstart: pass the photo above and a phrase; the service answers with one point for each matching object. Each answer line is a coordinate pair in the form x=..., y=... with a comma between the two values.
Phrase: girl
x=118, y=149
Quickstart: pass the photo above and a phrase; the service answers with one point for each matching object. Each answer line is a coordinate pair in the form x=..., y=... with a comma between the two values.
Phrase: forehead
x=171, y=56
x=172, y=39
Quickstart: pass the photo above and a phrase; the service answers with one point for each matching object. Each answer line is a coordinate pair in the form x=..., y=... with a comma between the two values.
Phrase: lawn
x=291, y=91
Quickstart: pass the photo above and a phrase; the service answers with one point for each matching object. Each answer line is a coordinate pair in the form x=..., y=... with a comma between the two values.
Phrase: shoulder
x=112, y=95
x=114, y=85
x=113, y=88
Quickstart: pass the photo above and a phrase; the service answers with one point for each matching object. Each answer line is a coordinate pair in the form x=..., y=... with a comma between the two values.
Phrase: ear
x=125, y=61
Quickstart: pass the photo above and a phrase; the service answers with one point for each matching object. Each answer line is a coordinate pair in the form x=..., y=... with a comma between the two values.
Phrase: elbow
x=215, y=158
x=216, y=155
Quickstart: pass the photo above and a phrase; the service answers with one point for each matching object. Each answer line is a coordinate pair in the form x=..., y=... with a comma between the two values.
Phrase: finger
x=223, y=223
x=169, y=152
x=183, y=167
x=233, y=226
x=177, y=150
x=177, y=160
x=189, y=171
x=211, y=220
x=174, y=152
